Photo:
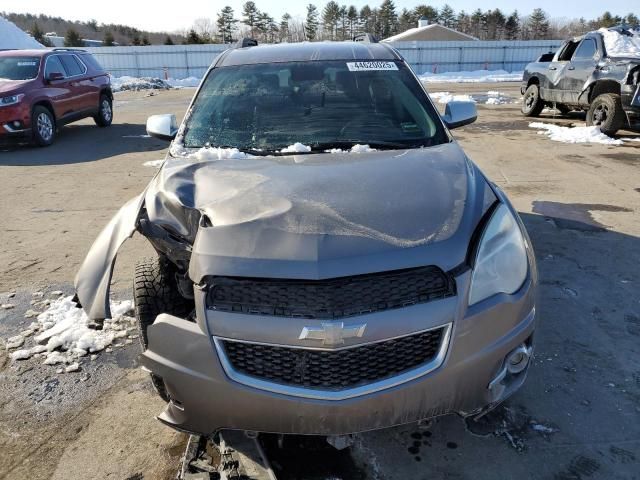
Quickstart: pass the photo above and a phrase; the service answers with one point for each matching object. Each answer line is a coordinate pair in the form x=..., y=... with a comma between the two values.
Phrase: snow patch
x=476, y=76
x=296, y=148
x=218, y=153
x=64, y=333
x=575, y=134
x=357, y=148
x=446, y=97
x=619, y=45
x=490, y=98
x=154, y=163
x=11, y=37
x=124, y=83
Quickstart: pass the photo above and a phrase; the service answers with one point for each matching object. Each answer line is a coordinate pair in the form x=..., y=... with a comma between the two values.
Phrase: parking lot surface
x=577, y=417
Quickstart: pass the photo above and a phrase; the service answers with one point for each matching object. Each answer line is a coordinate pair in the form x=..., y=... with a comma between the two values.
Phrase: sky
x=180, y=15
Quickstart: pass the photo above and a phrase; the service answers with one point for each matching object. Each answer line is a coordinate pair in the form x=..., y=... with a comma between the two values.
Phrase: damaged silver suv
x=328, y=259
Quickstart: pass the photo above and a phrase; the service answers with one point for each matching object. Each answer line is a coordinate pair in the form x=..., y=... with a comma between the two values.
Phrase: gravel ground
x=578, y=416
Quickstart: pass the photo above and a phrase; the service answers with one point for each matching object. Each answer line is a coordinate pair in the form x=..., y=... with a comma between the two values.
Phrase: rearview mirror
x=55, y=76
x=164, y=127
x=457, y=114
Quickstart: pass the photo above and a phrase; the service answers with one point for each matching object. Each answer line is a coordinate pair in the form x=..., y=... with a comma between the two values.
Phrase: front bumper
x=15, y=122
x=205, y=399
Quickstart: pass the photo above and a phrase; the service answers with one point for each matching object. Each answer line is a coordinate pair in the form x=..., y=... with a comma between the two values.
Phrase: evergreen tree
x=388, y=19
x=463, y=23
x=145, y=40
x=366, y=19
x=108, y=40
x=352, y=19
x=447, y=17
x=250, y=14
x=629, y=19
x=192, y=38
x=285, y=34
x=38, y=35
x=477, y=23
x=226, y=24
x=168, y=40
x=512, y=26
x=73, y=39
x=136, y=40
x=311, y=23
x=538, y=24
x=425, y=11
x=330, y=18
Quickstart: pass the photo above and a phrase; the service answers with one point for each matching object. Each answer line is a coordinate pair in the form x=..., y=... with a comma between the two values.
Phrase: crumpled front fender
x=93, y=280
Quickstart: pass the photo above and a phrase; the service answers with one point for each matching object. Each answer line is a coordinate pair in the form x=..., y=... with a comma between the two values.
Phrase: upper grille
x=333, y=298
x=337, y=369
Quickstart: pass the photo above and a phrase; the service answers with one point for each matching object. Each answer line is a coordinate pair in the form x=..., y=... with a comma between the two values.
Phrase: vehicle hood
x=321, y=215
x=11, y=87
x=301, y=216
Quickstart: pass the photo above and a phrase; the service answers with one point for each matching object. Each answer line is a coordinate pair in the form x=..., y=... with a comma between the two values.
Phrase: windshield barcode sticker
x=370, y=66
x=26, y=64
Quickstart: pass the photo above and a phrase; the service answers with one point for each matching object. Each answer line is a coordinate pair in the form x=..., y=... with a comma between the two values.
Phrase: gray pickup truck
x=584, y=75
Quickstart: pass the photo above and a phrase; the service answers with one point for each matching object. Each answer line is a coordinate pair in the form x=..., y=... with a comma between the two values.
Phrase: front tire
x=154, y=292
x=606, y=112
x=43, y=126
x=105, y=112
x=532, y=104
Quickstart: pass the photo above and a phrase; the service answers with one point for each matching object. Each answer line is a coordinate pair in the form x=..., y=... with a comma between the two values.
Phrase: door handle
x=553, y=68
x=571, y=68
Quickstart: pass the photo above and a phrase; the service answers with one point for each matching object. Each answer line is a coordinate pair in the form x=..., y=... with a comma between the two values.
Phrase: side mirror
x=164, y=127
x=457, y=114
x=54, y=77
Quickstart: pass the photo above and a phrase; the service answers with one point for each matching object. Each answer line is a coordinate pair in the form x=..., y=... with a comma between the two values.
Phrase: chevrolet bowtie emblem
x=332, y=333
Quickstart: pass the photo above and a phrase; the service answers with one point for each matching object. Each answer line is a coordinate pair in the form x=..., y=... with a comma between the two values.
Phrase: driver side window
x=586, y=50
x=54, y=65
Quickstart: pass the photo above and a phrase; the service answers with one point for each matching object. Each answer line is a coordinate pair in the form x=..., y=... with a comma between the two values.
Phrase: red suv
x=41, y=90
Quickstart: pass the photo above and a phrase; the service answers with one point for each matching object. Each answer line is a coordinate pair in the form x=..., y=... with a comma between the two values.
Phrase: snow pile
x=446, y=97
x=490, y=98
x=121, y=84
x=296, y=148
x=575, y=134
x=219, y=153
x=62, y=333
x=357, y=148
x=11, y=37
x=620, y=45
x=154, y=163
x=476, y=76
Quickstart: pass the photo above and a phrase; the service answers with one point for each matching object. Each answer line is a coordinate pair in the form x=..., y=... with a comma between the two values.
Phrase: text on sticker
x=26, y=64
x=370, y=66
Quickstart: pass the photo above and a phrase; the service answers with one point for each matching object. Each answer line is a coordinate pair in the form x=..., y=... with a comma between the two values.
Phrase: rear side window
x=91, y=62
x=54, y=66
x=72, y=65
x=586, y=50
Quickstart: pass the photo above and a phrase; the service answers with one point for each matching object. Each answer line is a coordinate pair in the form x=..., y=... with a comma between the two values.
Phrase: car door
x=553, y=89
x=579, y=70
x=58, y=90
x=84, y=98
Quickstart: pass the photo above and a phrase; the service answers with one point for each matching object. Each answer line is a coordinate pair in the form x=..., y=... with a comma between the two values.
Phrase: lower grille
x=334, y=370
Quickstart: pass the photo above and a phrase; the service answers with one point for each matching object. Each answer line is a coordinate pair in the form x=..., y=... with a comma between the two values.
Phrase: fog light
x=518, y=359
x=17, y=124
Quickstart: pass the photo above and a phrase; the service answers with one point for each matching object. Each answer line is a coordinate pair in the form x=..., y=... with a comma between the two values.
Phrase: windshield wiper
x=348, y=144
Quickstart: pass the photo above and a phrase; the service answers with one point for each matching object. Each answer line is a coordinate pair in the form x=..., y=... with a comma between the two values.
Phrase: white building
x=11, y=37
x=430, y=32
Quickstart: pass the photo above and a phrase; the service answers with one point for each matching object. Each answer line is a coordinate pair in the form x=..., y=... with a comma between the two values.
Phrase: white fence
x=182, y=61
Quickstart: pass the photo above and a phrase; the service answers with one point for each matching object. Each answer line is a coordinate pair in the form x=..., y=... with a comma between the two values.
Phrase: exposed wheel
x=606, y=112
x=43, y=126
x=532, y=104
x=105, y=112
x=155, y=292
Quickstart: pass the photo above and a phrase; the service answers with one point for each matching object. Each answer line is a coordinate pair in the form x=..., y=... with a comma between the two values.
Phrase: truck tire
x=155, y=292
x=606, y=112
x=105, y=112
x=43, y=126
x=532, y=104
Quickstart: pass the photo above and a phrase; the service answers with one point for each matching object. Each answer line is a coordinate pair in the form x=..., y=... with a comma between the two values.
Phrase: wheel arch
x=603, y=86
x=107, y=91
x=534, y=80
x=46, y=104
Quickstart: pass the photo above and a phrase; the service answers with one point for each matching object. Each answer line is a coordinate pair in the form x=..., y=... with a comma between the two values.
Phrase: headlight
x=12, y=100
x=501, y=262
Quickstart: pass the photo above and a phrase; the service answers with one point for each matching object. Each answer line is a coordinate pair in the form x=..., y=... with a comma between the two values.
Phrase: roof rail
x=365, y=38
x=246, y=42
x=65, y=49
